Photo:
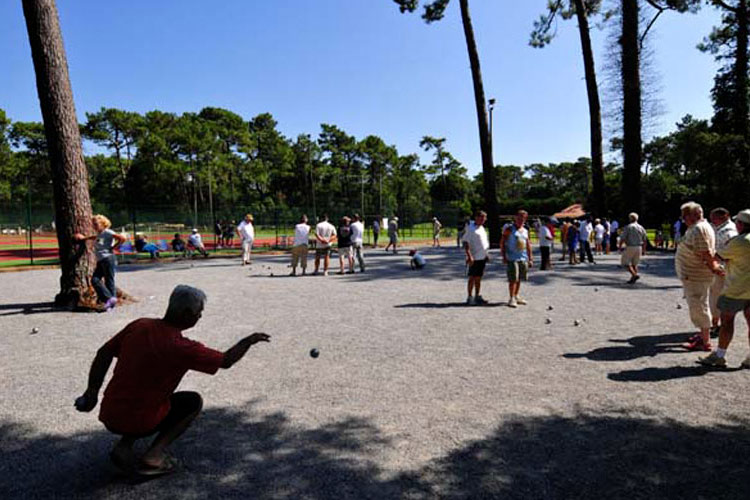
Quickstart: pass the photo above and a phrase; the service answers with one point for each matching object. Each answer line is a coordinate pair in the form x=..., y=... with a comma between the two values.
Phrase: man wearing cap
x=735, y=297
x=725, y=230
x=246, y=232
x=436, y=227
x=195, y=242
x=392, y=234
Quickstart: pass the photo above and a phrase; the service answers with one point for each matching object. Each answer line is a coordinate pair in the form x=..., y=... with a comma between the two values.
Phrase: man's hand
x=234, y=354
x=531, y=264
x=257, y=337
x=469, y=260
x=86, y=402
x=79, y=237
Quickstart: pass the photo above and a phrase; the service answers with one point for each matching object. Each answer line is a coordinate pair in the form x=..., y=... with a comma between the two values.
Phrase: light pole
x=191, y=178
x=491, y=106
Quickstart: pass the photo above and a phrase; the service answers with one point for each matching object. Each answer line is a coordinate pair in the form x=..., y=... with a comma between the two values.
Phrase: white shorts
x=631, y=256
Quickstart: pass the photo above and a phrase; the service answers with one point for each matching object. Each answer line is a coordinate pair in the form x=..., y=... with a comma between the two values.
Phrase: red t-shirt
x=152, y=357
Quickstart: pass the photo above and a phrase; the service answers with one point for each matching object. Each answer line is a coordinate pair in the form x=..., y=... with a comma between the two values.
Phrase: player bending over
x=152, y=357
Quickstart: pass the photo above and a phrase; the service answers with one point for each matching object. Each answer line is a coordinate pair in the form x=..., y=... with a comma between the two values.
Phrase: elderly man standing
x=476, y=244
x=634, y=240
x=735, y=296
x=140, y=399
x=246, y=232
x=695, y=266
x=299, y=250
x=725, y=230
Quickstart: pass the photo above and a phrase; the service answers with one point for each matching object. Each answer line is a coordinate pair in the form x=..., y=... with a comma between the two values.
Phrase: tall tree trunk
x=741, y=115
x=69, y=174
x=485, y=141
x=631, y=89
x=595, y=112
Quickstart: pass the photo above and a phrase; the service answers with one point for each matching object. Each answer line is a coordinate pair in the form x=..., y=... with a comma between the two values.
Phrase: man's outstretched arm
x=235, y=353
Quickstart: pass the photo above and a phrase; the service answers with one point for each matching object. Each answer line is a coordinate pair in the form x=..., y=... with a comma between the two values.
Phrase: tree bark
x=69, y=174
x=595, y=113
x=631, y=89
x=741, y=67
x=485, y=141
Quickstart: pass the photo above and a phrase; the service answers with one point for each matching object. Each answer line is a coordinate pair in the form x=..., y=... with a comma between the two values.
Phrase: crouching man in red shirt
x=152, y=357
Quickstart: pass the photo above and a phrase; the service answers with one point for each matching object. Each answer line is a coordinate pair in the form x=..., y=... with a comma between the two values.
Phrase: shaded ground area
x=414, y=395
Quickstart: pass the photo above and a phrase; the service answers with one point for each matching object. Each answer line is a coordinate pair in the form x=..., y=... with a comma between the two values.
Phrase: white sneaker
x=520, y=301
x=512, y=302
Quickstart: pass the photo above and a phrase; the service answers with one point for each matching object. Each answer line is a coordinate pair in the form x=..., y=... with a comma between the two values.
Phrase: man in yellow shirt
x=735, y=296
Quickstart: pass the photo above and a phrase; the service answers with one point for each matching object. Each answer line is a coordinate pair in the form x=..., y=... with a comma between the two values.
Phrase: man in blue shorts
x=515, y=248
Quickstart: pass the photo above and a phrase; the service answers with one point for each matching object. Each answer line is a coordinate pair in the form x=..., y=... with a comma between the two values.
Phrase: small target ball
x=35, y=330
x=679, y=306
x=596, y=289
x=550, y=308
x=314, y=353
x=548, y=321
x=576, y=323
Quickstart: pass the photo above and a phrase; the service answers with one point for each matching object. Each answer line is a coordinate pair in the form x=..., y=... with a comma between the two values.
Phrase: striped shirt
x=689, y=261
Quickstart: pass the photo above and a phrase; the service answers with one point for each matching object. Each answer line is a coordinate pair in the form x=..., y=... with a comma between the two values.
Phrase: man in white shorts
x=633, y=238
x=246, y=232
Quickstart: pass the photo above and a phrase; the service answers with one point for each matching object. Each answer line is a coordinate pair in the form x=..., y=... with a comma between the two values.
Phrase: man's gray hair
x=186, y=299
x=633, y=217
x=692, y=207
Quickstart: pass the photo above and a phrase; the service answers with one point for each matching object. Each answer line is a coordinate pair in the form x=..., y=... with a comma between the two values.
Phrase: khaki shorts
x=631, y=256
x=696, y=293
x=517, y=270
x=322, y=252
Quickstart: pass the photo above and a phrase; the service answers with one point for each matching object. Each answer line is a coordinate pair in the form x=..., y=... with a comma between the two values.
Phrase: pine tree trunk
x=69, y=174
x=741, y=67
x=595, y=113
x=485, y=141
x=631, y=89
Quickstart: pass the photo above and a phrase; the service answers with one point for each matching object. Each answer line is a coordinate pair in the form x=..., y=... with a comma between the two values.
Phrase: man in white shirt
x=476, y=245
x=436, y=227
x=585, y=230
x=195, y=242
x=545, y=244
x=299, y=248
x=358, y=232
x=325, y=233
x=246, y=232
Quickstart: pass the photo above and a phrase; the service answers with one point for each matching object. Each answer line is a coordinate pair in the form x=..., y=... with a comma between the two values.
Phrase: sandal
x=169, y=465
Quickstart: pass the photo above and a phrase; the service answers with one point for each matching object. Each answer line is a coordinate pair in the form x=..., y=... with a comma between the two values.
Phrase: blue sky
x=358, y=64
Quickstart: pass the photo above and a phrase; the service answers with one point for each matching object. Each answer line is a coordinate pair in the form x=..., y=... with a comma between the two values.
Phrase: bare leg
x=155, y=454
x=727, y=329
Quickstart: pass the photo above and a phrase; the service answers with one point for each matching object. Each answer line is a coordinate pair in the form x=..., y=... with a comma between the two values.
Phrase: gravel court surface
x=414, y=395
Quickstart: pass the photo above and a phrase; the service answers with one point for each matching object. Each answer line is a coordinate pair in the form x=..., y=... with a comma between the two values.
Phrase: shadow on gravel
x=638, y=347
x=443, y=305
x=31, y=308
x=237, y=453
x=661, y=374
x=593, y=457
x=228, y=453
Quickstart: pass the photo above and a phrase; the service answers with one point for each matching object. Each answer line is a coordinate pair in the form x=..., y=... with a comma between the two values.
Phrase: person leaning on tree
x=140, y=399
x=105, y=241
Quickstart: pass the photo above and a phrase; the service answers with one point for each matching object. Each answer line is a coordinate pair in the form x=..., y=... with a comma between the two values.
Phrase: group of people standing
x=350, y=238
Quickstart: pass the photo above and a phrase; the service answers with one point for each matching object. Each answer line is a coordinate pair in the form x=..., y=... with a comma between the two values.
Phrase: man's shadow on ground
x=647, y=346
x=237, y=453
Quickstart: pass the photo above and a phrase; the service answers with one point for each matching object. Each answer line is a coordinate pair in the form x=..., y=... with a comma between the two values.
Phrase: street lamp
x=491, y=106
x=191, y=178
